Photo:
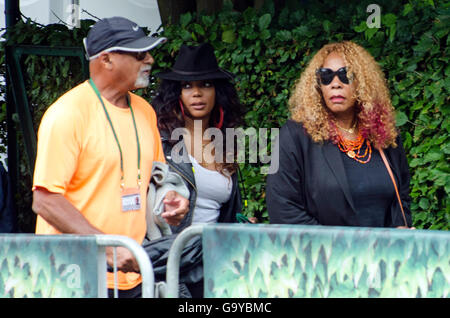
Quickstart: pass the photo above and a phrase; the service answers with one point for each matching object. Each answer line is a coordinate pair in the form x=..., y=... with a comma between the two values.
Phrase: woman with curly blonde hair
x=341, y=158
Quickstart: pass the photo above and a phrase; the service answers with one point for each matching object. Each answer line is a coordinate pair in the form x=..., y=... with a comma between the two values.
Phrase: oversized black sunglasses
x=140, y=56
x=326, y=75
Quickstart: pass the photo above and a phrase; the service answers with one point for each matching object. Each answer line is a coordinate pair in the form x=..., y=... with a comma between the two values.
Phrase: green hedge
x=267, y=50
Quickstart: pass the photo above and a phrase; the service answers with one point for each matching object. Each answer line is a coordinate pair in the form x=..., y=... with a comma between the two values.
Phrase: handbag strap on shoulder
x=386, y=163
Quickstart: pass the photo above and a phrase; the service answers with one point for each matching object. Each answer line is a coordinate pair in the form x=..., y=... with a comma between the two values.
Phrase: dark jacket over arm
x=228, y=210
x=311, y=185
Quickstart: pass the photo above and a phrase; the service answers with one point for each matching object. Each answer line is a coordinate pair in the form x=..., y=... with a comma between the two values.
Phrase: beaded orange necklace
x=353, y=148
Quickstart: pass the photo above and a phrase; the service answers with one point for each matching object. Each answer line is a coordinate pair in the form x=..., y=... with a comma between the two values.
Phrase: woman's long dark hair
x=167, y=106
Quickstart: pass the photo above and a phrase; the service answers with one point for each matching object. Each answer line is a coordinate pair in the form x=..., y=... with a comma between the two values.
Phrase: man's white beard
x=143, y=79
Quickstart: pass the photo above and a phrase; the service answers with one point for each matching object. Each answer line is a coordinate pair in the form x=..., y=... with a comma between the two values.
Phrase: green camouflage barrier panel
x=48, y=266
x=243, y=260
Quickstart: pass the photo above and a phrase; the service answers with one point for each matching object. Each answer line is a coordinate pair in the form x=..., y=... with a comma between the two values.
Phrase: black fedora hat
x=195, y=63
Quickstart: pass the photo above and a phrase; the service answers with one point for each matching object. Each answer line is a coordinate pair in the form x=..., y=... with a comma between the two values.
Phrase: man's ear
x=106, y=61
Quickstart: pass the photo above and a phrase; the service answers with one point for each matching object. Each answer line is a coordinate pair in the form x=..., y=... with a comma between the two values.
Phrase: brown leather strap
x=386, y=163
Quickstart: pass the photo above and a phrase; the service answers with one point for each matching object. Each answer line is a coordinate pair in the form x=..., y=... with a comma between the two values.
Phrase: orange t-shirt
x=78, y=157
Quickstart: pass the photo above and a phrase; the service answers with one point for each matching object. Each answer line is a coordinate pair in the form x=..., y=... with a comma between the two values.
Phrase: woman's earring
x=220, y=123
x=181, y=107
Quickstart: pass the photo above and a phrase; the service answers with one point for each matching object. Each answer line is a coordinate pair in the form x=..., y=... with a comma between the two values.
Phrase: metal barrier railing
x=65, y=265
x=173, y=262
x=145, y=266
x=247, y=261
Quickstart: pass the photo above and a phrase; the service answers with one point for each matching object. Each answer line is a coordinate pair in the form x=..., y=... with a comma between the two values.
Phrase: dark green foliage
x=46, y=78
x=268, y=54
x=268, y=50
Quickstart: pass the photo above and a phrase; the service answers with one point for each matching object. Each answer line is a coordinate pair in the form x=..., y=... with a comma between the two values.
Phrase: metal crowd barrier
x=173, y=261
x=259, y=260
x=64, y=265
x=145, y=266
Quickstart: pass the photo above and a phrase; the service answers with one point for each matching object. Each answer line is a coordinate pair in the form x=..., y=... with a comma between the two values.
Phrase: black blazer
x=311, y=185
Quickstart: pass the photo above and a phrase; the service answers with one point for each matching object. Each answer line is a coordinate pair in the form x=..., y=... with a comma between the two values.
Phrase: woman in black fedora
x=198, y=96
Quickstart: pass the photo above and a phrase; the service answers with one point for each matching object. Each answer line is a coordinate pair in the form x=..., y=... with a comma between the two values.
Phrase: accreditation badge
x=131, y=199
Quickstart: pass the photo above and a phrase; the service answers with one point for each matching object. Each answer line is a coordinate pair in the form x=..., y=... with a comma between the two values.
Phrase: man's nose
x=149, y=59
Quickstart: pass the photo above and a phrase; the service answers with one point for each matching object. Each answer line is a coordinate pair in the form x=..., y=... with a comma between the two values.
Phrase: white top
x=213, y=190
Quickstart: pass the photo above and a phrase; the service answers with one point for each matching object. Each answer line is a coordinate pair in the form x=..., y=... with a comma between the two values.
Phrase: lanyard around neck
x=122, y=182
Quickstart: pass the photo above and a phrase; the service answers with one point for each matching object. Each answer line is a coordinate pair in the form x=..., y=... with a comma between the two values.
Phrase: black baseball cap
x=118, y=34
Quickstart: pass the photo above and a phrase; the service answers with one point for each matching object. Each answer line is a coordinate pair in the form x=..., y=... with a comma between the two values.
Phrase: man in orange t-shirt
x=96, y=145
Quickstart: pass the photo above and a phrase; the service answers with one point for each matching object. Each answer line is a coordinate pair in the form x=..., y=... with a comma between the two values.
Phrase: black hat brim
x=188, y=76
